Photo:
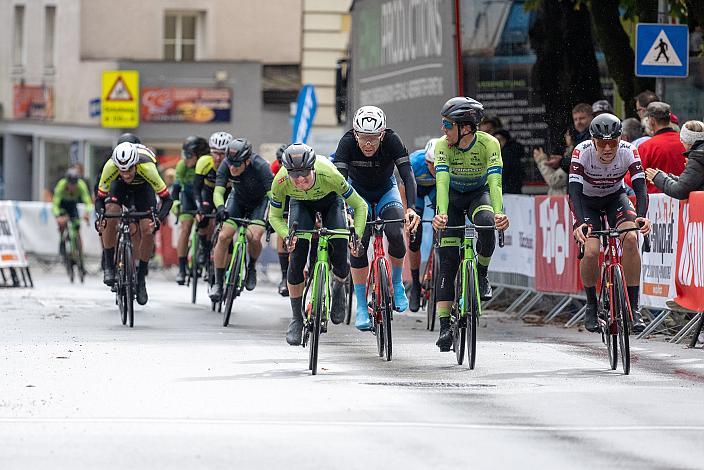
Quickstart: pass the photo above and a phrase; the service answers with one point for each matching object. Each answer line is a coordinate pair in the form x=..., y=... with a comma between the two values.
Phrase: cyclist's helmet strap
x=298, y=156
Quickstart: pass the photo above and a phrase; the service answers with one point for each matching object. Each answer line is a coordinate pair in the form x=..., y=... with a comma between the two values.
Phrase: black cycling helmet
x=280, y=152
x=463, y=110
x=72, y=176
x=128, y=137
x=238, y=150
x=195, y=146
x=298, y=157
x=605, y=126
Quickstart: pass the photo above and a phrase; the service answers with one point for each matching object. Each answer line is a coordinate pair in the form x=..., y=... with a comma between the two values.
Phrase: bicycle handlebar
x=248, y=221
x=613, y=233
x=478, y=227
x=131, y=215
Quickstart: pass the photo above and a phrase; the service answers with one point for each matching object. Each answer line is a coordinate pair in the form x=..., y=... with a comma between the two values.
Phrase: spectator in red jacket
x=664, y=150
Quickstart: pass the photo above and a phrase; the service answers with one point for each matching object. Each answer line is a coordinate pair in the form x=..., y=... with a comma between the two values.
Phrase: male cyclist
x=368, y=153
x=250, y=177
x=280, y=248
x=423, y=163
x=596, y=186
x=129, y=178
x=182, y=192
x=204, y=187
x=68, y=191
x=468, y=169
x=313, y=185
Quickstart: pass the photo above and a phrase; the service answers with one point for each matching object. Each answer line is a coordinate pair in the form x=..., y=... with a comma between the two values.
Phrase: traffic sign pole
x=662, y=18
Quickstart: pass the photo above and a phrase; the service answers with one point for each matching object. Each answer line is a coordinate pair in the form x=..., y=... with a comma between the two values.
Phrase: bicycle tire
x=194, y=270
x=622, y=319
x=81, y=264
x=607, y=337
x=472, y=315
x=386, y=309
x=377, y=325
x=231, y=291
x=67, y=255
x=319, y=310
x=120, y=281
x=129, y=285
x=350, y=296
x=459, y=324
x=432, y=311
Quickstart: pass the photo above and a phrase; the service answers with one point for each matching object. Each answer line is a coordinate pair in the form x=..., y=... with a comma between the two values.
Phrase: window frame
x=178, y=42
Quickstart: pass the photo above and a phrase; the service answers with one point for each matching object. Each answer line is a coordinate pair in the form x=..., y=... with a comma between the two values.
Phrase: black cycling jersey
x=374, y=173
x=252, y=185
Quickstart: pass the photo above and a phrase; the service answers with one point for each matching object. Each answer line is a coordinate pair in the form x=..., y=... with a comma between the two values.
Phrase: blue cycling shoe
x=362, y=321
x=400, y=299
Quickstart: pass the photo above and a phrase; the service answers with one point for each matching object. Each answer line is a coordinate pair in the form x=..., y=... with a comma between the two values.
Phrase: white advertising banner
x=40, y=233
x=658, y=266
x=518, y=254
x=11, y=252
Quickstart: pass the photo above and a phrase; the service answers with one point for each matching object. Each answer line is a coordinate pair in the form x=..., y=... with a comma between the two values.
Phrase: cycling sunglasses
x=601, y=143
x=447, y=124
x=237, y=163
x=299, y=173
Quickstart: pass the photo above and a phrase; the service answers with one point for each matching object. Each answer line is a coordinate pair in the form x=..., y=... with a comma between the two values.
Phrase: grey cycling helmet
x=238, y=151
x=298, y=157
x=605, y=126
x=463, y=110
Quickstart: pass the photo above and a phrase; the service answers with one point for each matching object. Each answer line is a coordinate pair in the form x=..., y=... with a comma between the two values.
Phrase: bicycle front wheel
x=621, y=309
x=473, y=311
x=431, y=312
x=459, y=324
x=386, y=309
x=129, y=284
x=121, y=281
x=233, y=281
x=194, y=269
x=319, y=312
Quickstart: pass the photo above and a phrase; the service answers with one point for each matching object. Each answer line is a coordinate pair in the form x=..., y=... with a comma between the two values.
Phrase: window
x=18, y=51
x=49, y=28
x=57, y=157
x=97, y=155
x=180, y=31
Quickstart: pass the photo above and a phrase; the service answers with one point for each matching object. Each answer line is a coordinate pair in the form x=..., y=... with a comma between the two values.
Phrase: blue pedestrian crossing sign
x=662, y=50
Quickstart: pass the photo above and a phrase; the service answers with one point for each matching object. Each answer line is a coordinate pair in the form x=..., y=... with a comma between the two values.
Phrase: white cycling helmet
x=430, y=150
x=219, y=141
x=125, y=156
x=369, y=120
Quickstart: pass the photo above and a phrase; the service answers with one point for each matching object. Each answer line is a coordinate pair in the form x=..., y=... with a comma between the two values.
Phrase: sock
x=109, y=256
x=182, y=260
x=397, y=274
x=633, y=294
x=414, y=275
x=296, y=307
x=591, y=295
x=219, y=275
x=361, y=294
x=443, y=312
x=482, y=270
x=252, y=262
x=283, y=261
x=142, y=268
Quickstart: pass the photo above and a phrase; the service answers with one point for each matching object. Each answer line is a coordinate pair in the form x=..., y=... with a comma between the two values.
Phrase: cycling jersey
x=63, y=195
x=425, y=181
x=249, y=188
x=147, y=172
x=591, y=178
x=468, y=170
x=204, y=180
x=375, y=173
x=327, y=180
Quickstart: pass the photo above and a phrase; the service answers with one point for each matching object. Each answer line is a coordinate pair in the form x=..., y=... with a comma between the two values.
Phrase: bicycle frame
x=373, y=275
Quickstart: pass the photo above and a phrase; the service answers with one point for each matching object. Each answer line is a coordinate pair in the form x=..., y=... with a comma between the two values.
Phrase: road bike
x=71, y=250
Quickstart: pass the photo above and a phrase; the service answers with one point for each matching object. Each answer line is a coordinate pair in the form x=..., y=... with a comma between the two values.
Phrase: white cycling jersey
x=601, y=179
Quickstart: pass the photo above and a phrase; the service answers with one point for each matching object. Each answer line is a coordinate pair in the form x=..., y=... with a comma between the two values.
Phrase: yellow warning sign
x=119, y=100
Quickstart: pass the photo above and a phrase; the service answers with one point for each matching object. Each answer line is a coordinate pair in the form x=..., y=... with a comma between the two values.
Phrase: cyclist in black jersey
x=367, y=156
x=251, y=178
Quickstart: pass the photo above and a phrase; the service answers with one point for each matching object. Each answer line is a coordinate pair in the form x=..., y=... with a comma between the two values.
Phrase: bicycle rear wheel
x=386, y=309
x=319, y=309
x=621, y=308
x=473, y=312
x=233, y=281
x=129, y=284
x=194, y=269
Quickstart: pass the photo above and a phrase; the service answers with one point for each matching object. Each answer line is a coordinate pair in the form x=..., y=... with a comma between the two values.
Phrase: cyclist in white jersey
x=597, y=169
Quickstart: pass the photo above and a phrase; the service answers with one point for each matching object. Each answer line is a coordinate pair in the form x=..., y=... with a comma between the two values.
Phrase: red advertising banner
x=199, y=105
x=32, y=102
x=556, y=264
x=689, y=280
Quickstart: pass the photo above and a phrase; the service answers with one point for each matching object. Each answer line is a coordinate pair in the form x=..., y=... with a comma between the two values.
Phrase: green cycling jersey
x=184, y=174
x=327, y=180
x=469, y=169
x=63, y=193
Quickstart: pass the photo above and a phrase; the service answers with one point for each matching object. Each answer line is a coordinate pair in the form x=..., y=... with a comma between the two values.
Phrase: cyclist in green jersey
x=68, y=192
x=468, y=169
x=313, y=185
x=182, y=193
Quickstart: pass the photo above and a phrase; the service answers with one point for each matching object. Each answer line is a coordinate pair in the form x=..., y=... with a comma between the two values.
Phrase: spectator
x=647, y=132
x=632, y=129
x=601, y=107
x=643, y=100
x=696, y=40
x=582, y=116
x=664, y=150
x=512, y=154
x=490, y=124
x=692, y=178
x=549, y=167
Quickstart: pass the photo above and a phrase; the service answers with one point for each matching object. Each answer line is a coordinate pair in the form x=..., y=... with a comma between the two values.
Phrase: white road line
x=371, y=424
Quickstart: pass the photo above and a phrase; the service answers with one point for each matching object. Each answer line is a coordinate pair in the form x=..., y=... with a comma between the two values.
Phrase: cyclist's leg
x=305, y=216
x=205, y=226
x=227, y=231
x=334, y=218
x=391, y=207
x=626, y=218
x=481, y=213
x=283, y=257
x=360, y=272
x=113, y=204
x=589, y=264
x=184, y=235
x=144, y=199
x=254, y=241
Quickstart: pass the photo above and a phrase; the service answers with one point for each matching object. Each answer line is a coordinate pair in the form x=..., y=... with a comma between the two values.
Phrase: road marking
x=370, y=424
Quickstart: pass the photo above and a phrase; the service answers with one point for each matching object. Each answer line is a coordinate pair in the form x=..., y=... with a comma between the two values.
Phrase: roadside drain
x=431, y=384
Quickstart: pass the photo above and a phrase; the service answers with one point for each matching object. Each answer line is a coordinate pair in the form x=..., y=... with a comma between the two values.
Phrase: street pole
x=662, y=18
